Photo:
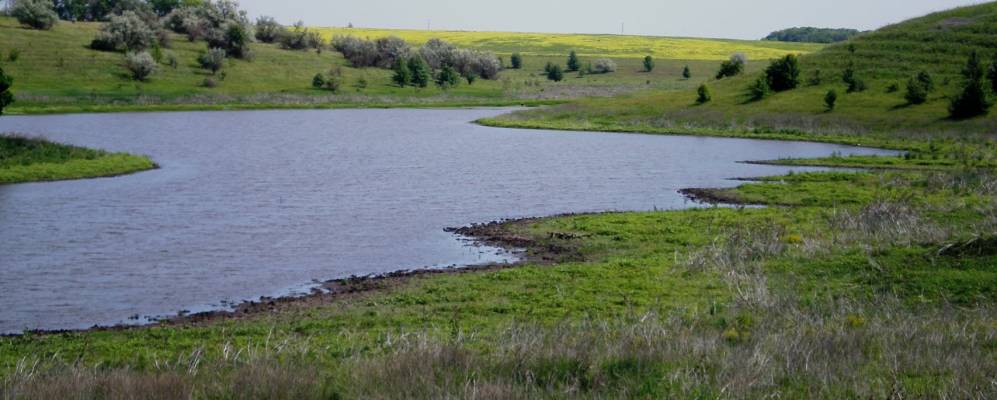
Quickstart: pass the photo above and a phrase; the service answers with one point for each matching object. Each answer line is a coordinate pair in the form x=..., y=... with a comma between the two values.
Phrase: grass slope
x=57, y=72
x=938, y=43
x=30, y=160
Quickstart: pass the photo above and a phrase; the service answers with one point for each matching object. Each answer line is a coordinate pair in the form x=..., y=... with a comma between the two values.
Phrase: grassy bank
x=31, y=160
x=868, y=285
x=55, y=71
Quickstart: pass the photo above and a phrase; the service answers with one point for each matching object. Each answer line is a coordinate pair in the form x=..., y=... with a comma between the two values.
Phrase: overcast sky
x=740, y=19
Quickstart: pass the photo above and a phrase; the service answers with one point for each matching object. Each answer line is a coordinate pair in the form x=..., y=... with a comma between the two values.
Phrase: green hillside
x=939, y=43
x=56, y=71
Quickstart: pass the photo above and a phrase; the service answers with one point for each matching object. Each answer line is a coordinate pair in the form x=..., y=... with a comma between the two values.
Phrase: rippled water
x=264, y=202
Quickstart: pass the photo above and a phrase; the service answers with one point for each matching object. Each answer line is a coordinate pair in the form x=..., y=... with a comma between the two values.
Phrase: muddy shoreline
x=501, y=233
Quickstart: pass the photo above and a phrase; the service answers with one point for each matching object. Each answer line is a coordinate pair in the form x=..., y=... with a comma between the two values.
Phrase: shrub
x=268, y=29
x=483, y=64
x=573, y=63
x=893, y=88
x=648, y=64
x=13, y=55
x=391, y=49
x=171, y=59
x=234, y=38
x=333, y=80
x=784, y=74
x=37, y=14
x=419, y=71
x=602, y=66
x=361, y=84
x=402, y=75
x=438, y=53
x=209, y=82
x=164, y=7
x=516, y=60
x=471, y=77
x=918, y=88
x=855, y=84
x=686, y=72
x=212, y=60
x=555, y=73
x=6, y=96
x=359, y=52
x=448, y=77
x=299, y=38
x=830, y=100
x=972, y=99
x=703, y=94
x=318, y=81
x=760, y=89
x=992, y=75
x=141, y=65
x=127, y=32
x=732, y=67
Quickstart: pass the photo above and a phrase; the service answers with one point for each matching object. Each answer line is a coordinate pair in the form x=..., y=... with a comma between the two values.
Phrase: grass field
x=57, y=72
x=30, y=160
x=939, y=44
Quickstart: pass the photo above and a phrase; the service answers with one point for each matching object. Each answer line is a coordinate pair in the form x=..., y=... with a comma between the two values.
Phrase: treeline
x=812, y=35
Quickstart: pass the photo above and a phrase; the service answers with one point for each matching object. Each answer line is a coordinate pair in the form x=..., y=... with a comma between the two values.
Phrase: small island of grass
x=24, y=159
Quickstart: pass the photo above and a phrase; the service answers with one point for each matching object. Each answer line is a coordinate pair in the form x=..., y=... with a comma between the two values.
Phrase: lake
x=264, y=203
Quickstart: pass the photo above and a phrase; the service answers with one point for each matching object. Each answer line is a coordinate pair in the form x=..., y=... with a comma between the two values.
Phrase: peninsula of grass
x=25, y=159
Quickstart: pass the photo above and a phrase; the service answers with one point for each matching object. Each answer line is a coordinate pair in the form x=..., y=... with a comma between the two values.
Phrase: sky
x=735, y=19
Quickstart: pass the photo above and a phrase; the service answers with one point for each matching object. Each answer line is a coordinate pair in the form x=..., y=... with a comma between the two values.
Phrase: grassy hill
x=57, y=72
x=938, y=43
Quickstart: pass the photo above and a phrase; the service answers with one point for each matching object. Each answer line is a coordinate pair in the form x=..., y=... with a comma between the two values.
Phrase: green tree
x=830, y=100
x=972, y=99
x=447, y=77
x=212, y=60
x=419, y=71
x=648, y=64
x=471, y=77
x=686, y=72
x=573, y=63
x=992, y=75
x=517, y=61
x=37, y=14
x=318, y=81
x=760, y=89
x=855, y=84
x=6, y=95
x=704, y=95
x=918, y=88
x=403, y=75
x=732, y=67
x=555, y=73
x=784, y=73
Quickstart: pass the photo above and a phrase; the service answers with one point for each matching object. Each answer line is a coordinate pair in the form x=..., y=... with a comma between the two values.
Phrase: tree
x=555, y=73
x=419, y=71
x=318, y=81
x=812, y=35
x=686, y=72
x=704, y=95
x=212, y=60
x=127, y=31
x=234, y=39
x=6, y=95
x=471, y=77
x=648, y=64
x=37, y=14
x=141, y=65
x=517, y=61
x=855, y=84
x=164, y=7
x=573, y=63
x=918, y=88
x=972, y=99
x=784, y=73
x=760, y=89
x=402, y=75
x=448, y=77
x=732, y=67
x=268, y=30
x=830, y=100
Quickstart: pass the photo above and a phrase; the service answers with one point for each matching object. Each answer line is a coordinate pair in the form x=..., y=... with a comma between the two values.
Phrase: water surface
x=258, y=203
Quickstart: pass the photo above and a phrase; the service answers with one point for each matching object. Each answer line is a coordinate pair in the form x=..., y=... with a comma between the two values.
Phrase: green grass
x=56, y=72
x=939, y=43
x=30, y=160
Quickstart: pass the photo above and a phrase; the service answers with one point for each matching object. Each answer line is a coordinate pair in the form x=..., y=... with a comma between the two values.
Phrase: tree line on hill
x=812, y=35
